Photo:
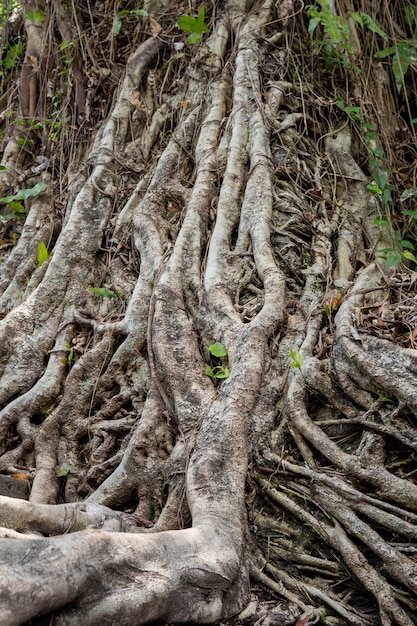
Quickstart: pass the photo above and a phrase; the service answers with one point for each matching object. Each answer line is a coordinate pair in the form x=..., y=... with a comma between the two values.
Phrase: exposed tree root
x=211, y=207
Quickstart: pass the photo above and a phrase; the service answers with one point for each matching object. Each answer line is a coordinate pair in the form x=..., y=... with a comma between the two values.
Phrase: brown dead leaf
x=135, y=99
x=154, y=25
x=20, y=476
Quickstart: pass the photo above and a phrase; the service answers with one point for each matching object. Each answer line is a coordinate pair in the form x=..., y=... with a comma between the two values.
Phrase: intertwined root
x=142, y=464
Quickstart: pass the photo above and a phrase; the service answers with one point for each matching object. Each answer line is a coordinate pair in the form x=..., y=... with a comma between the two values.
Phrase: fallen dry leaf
x=154, y=25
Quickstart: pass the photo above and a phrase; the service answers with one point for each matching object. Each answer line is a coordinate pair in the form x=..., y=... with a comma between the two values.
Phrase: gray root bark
x=213, y=242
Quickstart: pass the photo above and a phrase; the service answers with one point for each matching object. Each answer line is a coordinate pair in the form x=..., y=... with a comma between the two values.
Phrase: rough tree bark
x=195, y=194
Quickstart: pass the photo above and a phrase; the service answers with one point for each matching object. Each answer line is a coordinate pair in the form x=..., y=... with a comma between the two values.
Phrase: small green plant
x=68, y=359
x=219, y=352
x=402, y=54
x=42, y=255
x=380, y=186
x=17, y=208
x=296, y=359
x=12, y=56
x=19, y=212
x=65, y=468
x=195, y=26
x=36, y=16
x=403, y=248
x=336, y=43
x=366, y=21
x=103, y=292
x=117, y=22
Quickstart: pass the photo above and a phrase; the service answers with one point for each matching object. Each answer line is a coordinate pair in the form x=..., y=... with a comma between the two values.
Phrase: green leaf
x=187, y=23
x=408, y=193
x=35, y=16
x=410, y=15
x=218, y=349
x=25, y=142
x=103, y=292
x=406, y=244
x=378, y=154
x=357, y=17
x=366, y=20
x=66, y=468
x=117, y=24
x=24, y=194
x=401, y=62
x=412, y=214
x=410, y=256
x=192, y=25
x=392, y=260
x=17, y=207
x=209, y=371
x=386, y=196
x=42, y=253
x=296, y=358
x=313, y=23
x=386, y=52
x=12, y=55
x=384, y=250
x=381, y=221
x=385, y=399
x=374, y=189
x=194, y=37
x=202, y=28
x=221, y=372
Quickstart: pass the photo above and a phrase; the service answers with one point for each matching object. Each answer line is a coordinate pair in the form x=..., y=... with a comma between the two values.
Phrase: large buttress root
x=209, y=212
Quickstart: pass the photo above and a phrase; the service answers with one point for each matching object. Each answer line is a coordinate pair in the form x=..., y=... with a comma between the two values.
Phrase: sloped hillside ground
x=208, y=307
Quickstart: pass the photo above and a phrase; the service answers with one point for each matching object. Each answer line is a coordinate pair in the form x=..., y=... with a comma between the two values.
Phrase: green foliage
x=296, y=359
x=195, y=26
x=219, y=352
x=117, y=22
x=336, y=42
x=380, y=186
x=36, y=16
x=24, y=194
x=69, y=358
x=402, y=54
x=19, y=212
x=402, y=248
x=66, y=468
x=217, y=372
x=365, y=20
x=13, y=54
x=103, y=292
x=386, y=400
x=410, y=15
x=7, y=8
x=42, y=255
x=25, y=142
